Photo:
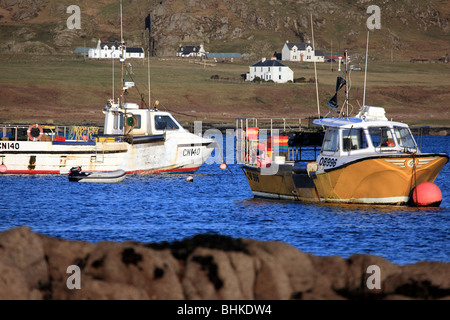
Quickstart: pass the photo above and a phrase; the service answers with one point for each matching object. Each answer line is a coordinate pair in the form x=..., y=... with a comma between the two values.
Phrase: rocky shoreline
x=204, y=267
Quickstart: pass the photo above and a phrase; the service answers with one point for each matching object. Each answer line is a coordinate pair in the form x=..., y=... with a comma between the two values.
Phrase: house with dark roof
x=270, y=70
x=301, y=52
x=190, y=51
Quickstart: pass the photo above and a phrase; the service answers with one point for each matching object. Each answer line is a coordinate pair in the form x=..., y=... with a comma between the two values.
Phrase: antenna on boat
x=122, y=59
x=315, y=69
x=148, y=72
x=346, y=81
x=365, y=72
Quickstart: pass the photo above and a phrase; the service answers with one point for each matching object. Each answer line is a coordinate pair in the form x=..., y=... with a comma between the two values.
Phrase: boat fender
x=427, y=194
x=41, y=132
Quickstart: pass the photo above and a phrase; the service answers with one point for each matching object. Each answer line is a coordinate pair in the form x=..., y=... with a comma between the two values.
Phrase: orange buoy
x=3, y=168
x=190, y=179
x=427, y=194
x=223, y=166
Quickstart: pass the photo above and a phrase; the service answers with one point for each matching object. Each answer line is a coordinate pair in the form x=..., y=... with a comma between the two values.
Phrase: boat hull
x=378, y=180
x=52, y=157
x=387, y=180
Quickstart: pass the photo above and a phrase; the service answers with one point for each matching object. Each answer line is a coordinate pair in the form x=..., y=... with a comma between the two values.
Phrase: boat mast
x=346, y=82
x=315, y=70
x=365, y=72
x=148, y=71
x=122, y=59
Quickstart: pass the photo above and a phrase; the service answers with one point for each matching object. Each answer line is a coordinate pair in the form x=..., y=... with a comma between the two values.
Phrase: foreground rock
x=205, y=267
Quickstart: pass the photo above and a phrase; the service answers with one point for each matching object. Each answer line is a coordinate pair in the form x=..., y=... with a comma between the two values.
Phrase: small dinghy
x=77, y=175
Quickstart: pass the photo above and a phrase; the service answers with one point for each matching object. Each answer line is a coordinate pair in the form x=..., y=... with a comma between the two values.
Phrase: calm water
x=155, y=208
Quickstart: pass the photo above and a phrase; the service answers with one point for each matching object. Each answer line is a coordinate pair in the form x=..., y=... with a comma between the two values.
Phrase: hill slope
x=256, y=28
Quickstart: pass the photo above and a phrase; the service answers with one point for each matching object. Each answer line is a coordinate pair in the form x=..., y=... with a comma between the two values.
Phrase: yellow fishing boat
x=364, y=159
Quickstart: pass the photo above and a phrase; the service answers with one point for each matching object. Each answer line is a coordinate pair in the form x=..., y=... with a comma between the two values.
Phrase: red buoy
x=427, y=194
x=3, y=168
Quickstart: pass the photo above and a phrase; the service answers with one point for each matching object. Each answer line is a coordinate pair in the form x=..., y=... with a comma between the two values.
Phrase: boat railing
x=260, y=141
x=17, y=132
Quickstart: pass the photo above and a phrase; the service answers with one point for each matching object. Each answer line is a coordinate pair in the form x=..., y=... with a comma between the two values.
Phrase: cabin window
x=331, y=140
x=165, y=123
x=118, y=121
x=381, y=137
x=137, y=124
x=353, y=139
x=404, y=137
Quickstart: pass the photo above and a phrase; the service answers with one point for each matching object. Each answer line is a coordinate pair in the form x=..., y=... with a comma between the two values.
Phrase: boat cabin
x=129, y=119
x=365, y=134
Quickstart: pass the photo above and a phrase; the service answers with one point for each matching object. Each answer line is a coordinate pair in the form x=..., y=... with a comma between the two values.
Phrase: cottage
x=301, y=52
x=113, y=50
x=190, y=51
x=270, y=70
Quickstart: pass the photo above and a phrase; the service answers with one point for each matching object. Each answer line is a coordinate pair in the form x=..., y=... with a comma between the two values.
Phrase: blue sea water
x=156, y=208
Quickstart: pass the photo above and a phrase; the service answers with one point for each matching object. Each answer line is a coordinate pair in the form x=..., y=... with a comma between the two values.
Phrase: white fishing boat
x=135, y=138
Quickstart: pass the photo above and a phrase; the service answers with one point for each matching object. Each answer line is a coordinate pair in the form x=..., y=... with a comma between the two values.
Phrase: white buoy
x=190, y=179
x=223, y=166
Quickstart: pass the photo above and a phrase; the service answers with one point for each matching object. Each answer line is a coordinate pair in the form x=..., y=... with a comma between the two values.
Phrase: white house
x=191, y=51
x=270, y=70
x=113, y=49
x=301, y=52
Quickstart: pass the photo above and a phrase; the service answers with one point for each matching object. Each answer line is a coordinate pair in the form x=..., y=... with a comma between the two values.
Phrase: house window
x=279, y=77
x=279, y=69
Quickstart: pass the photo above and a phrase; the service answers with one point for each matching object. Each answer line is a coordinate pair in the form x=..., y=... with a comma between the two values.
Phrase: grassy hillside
x=62, y=89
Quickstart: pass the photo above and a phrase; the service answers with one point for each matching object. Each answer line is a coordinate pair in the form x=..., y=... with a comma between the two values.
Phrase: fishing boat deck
x=284, y=140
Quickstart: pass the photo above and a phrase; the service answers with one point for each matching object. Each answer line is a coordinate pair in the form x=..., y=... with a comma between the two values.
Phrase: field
x=68, y=90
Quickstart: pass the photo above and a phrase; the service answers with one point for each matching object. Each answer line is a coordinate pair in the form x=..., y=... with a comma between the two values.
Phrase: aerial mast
x=315, y=70
x=122, y=58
